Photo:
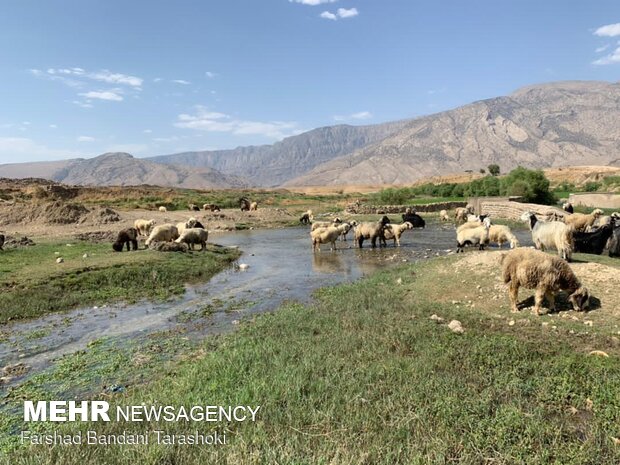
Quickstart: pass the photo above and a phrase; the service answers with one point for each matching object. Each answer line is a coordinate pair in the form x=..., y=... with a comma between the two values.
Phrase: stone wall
x=513, y=210
x=363, y=209
x=594, y=200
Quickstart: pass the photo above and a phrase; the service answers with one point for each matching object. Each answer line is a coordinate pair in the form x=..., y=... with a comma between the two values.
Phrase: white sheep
x=254, y=206
x=370, y=230
x=499, y=234
x=327, y=235
x=325, y=224
x=443, y=215
x=193, y=236
x=162, y=233
x=394, y=231
x=163, y=209
x=460, y=214
x=477, y=236
x=144, y=226
x=580, y=221
x=353, y=225
x=534, y=269
x=186, y=225
x=552, y=235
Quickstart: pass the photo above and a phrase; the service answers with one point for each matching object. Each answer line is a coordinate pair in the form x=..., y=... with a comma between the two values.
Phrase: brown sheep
x=580, y=221
x=126, y=236
x=547, y=274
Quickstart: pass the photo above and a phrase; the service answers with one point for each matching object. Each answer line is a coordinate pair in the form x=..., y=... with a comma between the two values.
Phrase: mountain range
x=546, y=125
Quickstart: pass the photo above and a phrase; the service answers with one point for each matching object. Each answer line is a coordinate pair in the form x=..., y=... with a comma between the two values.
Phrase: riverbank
x=364, y=375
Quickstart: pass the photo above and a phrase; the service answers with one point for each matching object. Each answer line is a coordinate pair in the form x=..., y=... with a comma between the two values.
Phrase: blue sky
x=82, y=77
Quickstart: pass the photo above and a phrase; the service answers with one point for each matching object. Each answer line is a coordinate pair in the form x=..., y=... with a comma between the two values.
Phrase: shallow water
x=281, y=267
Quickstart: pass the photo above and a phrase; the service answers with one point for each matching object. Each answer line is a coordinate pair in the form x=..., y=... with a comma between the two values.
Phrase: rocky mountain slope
x=272, y=165
x=548, y=125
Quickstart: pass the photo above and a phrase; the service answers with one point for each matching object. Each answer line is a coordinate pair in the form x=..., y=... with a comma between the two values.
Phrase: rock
x=599, y=353
x=399, y=281
x=60, y=260
x=588, y=322
x=436, y=318
x=243, y=266
x=456, y=327
x=511, y=323
x=85, y=255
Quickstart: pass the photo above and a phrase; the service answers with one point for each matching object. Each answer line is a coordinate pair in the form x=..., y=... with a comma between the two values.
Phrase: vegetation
x=33, y=283
x=493, y=169
x=363, y=375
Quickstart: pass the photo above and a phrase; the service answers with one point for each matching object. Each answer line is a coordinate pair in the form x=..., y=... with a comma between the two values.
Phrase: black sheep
x=198, y=224
x=305, y=219
x=126, y=236
x=416, y=220
x=614, y=243
x=592, y=242
x=568, y=208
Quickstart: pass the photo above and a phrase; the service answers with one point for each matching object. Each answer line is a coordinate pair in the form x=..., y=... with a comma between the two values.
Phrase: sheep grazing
x=193, y=207
x=580, y=221
x=592, y=242
x=163, y=209
x=244, y=204
x=500, y=234
x=144, y=226
x=553, y=235
x=327, y=235
x=162, y=233
x=307, y=217
x=370, y=230
x=325, y=224
x=168, y=247
x=614, y=243
x=412, y=217
x=568, y=207
x=193, y=236
x=186, y=225
x=211, y=207
x=253, y=206
x=547, y=274
x=394, y=231
x=460, y=214
x=443, y=215
x=126, y=236
x=473, y=236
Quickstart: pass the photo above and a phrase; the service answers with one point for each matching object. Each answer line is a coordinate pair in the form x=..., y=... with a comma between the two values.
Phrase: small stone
x=399, y=281
x=60, y=260
x=599, y=353
x=511, y=323
x=589, y=404
x=456, y=327
x=588, y=322
x=235, y=322
x=85, y=255
x=56, y=253
x=69, y=245
x=436, y=318
x=243, y=266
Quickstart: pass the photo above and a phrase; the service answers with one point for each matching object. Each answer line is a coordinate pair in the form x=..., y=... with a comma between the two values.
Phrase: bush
x=532, y=185
x=592, y=186
x=493, y=169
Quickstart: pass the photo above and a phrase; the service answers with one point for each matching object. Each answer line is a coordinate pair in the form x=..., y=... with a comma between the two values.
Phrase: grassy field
x=33, y=284
x=363, y=376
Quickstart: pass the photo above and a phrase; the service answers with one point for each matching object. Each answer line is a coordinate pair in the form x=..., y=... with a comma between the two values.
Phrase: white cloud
x=103, y=95
x=210, y=74
x=610, y=30
x=21, y=148
x=601, y=49
x=157, y=80
x=361, y=115
x=82, y=104
x=53, y=126
x=312, y=2
x=340, y=13
x=350, y=13
x=210, y=121
x=101, y=76
x=610, y=59
x=181, y=81
x=85, y=139
x=147, y=131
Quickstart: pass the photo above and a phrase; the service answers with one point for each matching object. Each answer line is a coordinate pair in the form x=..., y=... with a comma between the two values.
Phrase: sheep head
x=597, y=212
x=580, y=299
x=409, y=225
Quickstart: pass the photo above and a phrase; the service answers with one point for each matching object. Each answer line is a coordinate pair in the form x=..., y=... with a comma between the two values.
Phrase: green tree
x=532, y=185
x=493, y=169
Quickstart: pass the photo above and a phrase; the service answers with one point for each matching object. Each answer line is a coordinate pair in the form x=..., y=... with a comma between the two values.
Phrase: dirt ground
x=603, y=281
x=55, y=220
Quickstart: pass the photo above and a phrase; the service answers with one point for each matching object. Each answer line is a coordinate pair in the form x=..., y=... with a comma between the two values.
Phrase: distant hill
x=548, y=125
x=122, y=169
x=272, y=165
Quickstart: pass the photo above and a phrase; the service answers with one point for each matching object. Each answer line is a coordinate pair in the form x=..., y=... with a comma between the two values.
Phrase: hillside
x=272, y=165
x=549, y=125
x=121, y=169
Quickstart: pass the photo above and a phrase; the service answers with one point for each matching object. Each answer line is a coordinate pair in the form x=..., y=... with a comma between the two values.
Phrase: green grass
x=362, y=376
x=32, y=283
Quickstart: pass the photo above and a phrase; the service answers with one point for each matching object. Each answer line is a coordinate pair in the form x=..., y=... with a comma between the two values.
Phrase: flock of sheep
x=522, y=267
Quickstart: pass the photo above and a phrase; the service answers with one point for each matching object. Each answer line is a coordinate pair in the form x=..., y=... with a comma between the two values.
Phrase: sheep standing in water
x=327, y=235
x=370, y=230
x=473, y=236
x=394, y=231
x=547, y=274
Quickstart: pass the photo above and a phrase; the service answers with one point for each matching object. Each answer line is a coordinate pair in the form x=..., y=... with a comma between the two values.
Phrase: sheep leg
x=127, y=244
x=333, y=245
x=538, y=299
x=134, y=243
x=551, y=300
x=360, y=241
x=514, y=297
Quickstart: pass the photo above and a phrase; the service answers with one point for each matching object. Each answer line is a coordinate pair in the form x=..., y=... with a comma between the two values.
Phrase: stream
x=281, y=267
